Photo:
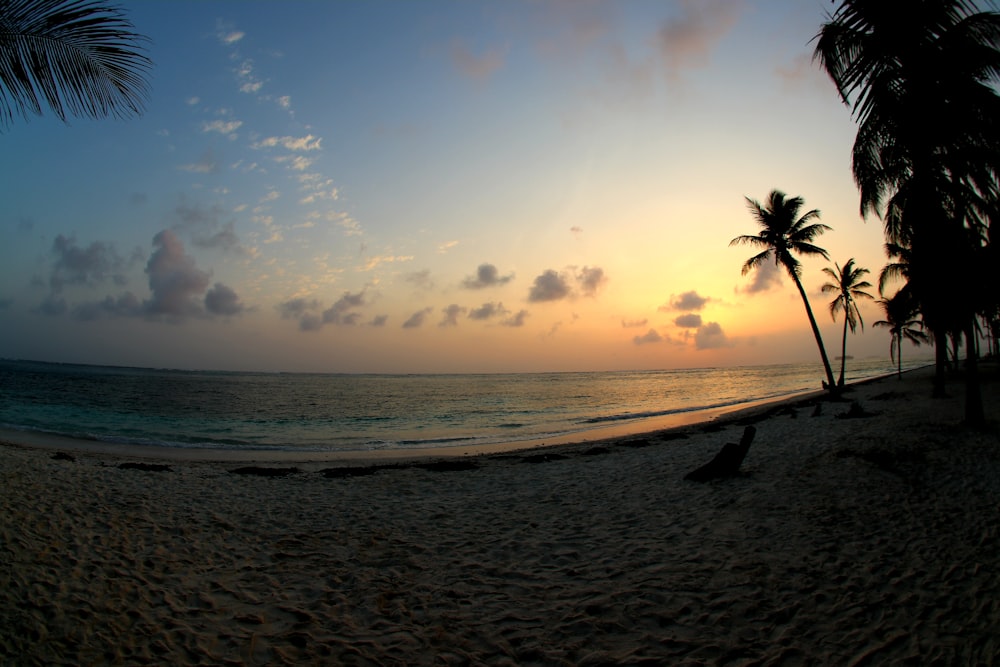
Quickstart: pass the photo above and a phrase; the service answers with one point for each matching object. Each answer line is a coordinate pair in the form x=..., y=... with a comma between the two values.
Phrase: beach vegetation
x=849, y=286
x=78, y=58
x=920, y=77
x=783, y=234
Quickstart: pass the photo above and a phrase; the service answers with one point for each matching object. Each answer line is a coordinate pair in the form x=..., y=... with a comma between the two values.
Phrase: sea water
x=329, y=412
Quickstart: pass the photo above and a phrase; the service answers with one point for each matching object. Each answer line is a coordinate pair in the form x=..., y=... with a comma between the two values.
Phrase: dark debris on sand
x=147, y=467
x=447, y=466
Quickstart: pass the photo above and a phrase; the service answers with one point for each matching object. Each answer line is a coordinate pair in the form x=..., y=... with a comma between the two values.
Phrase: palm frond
x=78, y=57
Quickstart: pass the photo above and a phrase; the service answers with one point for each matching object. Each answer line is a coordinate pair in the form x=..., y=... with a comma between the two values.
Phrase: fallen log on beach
x=727, y=462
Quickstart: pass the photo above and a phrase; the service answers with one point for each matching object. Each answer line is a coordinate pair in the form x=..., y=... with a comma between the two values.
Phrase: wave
x=625, y=416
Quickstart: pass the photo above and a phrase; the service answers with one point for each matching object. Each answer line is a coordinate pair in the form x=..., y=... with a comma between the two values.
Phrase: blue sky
x=435, y=186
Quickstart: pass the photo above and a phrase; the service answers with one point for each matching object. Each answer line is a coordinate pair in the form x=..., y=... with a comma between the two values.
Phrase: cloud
x=802, y=72
x=379, y=321
x=295, y=162
x=225, y=239
x=688, y=321
x=517, y=320
x=340, y=312
x=319, y=188
x=310, y=322
x=687, y=301
x=479, y=67
x=304, y=310
x=549, y=286
x=296, y=308
x=650, y=336
x=178, y=288
x=249, y=83
x=92, y=265
x=206, y=164
x=634, y=324
x=306, y=143
x=451, y=314
x=591, y=279
x=417, y=319
x=420, y=279
x=766, y=276
x=576, y=231
x=223, y=127
x=384, y=259
x=52, y=305
x=487, y=311
x=174, y=279
x=446, y=246
x=227, y=35
x=710, y=336
x=487, y=275
x=687, y=40
x=223, y=300
x=127, y=305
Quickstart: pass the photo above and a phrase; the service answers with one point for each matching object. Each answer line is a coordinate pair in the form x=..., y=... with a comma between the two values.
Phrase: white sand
x=845, y=541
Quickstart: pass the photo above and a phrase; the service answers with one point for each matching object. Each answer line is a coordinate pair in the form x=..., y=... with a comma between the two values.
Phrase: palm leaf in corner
x=78, y=57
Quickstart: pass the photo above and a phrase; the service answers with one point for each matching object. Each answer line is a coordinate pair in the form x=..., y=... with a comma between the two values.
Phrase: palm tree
x=931, y=174
x=901, y=321
x=783, y=232
x=78, y=57
x=850, y=287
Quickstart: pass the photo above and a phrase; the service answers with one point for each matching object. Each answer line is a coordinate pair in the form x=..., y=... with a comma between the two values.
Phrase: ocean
x=330, y=412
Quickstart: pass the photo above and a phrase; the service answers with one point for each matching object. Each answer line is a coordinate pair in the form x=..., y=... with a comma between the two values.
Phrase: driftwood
x=727, y=462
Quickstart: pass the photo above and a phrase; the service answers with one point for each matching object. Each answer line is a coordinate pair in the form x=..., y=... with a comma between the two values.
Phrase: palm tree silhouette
x=80, y=58
x=931, y=174
x=901, y=321
x=782, y=232
x=850, y=287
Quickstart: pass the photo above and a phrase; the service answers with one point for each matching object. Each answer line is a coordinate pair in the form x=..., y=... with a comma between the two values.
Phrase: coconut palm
x=901, y=321
x=78, y=57
x=784, y=232
x=936, y=168
x=886, y=58
x=849, y=287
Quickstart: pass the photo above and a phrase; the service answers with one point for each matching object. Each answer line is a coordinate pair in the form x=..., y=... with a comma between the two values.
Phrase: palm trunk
x=843, y=353
x=940, y=360
x=899, y=355
x=974, y=415
x=830, y=382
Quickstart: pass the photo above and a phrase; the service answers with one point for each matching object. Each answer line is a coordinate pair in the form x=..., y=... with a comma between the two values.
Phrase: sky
x=437, y=186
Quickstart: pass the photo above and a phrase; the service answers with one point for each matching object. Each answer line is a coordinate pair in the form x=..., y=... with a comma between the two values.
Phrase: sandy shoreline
x=845, y=541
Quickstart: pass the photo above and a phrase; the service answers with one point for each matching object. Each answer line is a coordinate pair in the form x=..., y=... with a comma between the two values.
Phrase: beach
x=864, y=535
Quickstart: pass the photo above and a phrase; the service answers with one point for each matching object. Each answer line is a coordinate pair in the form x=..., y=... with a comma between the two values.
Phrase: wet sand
x=865, y=540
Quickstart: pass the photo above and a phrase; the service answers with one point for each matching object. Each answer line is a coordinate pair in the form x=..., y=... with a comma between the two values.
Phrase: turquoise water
x=337, y=412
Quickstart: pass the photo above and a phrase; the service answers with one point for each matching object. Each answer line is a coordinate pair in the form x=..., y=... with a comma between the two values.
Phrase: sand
x=871, y=540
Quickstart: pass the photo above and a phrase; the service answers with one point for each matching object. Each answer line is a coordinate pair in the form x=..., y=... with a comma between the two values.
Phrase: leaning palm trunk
x=830, y=383
x=843, y=354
